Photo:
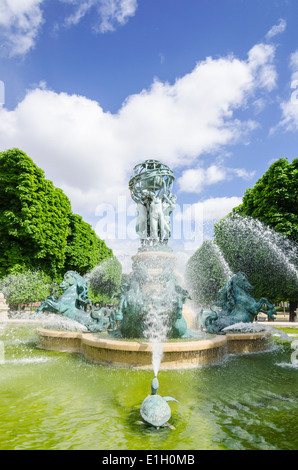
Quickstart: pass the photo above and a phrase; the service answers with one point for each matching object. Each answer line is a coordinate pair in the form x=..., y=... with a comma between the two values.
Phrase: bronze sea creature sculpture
x=234, y=305
x=155, y=409
x=75, y=305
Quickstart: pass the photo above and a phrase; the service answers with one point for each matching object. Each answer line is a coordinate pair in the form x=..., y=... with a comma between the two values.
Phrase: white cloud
x=289, y=108
x=294, y=62
x=212, y=209
x=242, y=173
x=218, y=207
x=81, y=8
x=90, y=153
x=194, y=180
x=109, y=13
x=20, y=21
x=261, y=58
x=259, y=105
x=277, y=29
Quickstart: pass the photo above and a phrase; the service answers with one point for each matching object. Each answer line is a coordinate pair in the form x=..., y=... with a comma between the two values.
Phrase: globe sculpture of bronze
x=150, y=187
x=234, y=305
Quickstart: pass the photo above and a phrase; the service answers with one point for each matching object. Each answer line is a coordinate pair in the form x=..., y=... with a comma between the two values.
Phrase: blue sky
x=93, y=87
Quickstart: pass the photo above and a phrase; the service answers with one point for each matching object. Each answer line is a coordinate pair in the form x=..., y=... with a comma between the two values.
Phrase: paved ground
x=280, y=321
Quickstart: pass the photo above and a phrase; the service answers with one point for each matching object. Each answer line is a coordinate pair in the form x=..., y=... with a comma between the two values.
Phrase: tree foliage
x=206, y=273
x=105, y=280
x=33, y=216
x=25, y=287
x=38, y=230
x=274, y=198
x=84, y=249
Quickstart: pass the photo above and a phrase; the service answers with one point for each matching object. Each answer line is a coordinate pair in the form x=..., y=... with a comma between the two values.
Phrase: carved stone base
x=155, y=263
x=155, y=286
x=138, y=355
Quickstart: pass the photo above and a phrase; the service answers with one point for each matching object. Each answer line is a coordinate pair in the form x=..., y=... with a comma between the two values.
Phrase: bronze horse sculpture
x=234, y=305
x=75, y=304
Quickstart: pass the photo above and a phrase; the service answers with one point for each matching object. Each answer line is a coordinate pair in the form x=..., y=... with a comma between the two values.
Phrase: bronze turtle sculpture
x=155, y=409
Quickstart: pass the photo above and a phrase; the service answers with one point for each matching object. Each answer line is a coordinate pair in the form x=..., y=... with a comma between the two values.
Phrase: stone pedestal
x=157, y=262
x=156, y=276
x=3, y=308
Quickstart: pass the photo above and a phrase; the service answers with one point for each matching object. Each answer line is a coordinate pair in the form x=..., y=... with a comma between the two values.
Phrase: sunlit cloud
x=289, y=108
x=107, y=14
x=277, y=29
x=20, y=24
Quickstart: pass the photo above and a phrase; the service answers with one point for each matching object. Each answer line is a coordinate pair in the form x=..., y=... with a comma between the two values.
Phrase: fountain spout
x=154, y=386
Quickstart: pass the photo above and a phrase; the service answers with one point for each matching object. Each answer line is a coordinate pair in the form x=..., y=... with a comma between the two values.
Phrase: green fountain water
x=60, y=401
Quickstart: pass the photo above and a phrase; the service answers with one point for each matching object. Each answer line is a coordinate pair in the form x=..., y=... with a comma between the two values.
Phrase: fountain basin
x=138, y=355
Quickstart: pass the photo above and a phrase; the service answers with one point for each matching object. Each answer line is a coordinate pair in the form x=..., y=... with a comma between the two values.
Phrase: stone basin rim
x=138, y=355
x=127, y=345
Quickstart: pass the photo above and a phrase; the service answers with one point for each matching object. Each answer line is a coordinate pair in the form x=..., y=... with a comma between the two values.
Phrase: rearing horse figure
x=236, y=304
x=72, y=302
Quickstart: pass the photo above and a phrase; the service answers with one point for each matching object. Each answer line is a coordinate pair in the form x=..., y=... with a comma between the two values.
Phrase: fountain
x=152, y=328
x=234, y=404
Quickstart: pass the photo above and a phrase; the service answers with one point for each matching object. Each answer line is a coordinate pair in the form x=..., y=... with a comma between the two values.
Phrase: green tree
x=206, y=273
x=274, y=198
x=274, y=201
x=104, y=280
x=38, y=230
x=84, y=248
x=25, y=287
x=34, y=216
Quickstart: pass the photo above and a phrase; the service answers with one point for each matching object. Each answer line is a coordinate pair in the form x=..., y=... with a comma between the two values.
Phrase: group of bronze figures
x=129, y=319
x=234, y=305
x=150, y=188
